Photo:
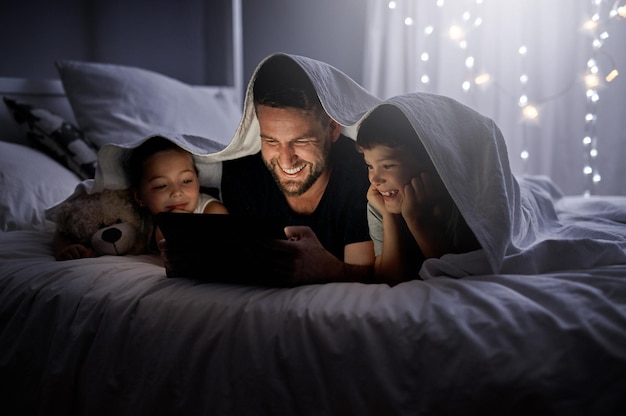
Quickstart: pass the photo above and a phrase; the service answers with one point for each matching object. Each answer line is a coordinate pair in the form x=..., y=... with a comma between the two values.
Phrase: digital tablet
x=216, y=247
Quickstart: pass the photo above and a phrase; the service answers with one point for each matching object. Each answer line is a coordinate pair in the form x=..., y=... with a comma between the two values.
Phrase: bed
x=114, y=335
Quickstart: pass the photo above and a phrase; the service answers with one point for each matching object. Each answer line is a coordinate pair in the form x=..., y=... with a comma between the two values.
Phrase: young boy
x=410, y=212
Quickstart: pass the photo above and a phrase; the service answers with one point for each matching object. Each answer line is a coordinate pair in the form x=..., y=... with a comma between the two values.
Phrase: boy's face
x=390, y=169
x=169, y=183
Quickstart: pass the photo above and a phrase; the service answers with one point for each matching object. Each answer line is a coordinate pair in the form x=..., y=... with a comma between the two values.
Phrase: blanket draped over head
x=523, y=224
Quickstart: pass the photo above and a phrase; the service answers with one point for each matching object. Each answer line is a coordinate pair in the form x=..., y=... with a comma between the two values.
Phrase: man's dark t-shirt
x=248, y=188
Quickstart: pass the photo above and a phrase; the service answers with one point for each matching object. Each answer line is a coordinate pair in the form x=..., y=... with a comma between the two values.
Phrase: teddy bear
x=106, y=221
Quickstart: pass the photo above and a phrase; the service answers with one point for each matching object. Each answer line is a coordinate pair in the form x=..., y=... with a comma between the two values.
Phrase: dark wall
x=329, y=30
x=186, y=39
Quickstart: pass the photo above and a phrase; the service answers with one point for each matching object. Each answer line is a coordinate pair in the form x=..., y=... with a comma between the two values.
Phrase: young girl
x=410, y=212
x=164, y=177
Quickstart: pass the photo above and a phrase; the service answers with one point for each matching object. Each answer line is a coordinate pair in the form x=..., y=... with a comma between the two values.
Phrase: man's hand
x=301, y=259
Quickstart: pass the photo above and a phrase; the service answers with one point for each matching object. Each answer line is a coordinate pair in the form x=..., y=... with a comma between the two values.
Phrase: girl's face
x=390, y=169
x=169, y=183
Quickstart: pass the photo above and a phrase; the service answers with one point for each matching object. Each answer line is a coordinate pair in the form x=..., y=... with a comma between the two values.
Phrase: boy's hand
x=376, y=199
x=422, y=197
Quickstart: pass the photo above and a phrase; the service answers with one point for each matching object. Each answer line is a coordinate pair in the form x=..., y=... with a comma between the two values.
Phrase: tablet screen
x=195, y=229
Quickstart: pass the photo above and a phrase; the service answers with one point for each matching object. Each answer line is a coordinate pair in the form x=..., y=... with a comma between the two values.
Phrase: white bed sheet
x=113, y=335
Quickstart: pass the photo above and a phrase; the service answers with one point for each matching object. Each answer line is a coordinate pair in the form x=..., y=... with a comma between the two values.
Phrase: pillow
x=58, y=138
x=30, y=182
x=121, y=104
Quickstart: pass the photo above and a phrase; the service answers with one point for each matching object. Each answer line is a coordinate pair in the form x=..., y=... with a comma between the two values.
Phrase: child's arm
x=65, y=248
x=391, y=265
x=215, y=207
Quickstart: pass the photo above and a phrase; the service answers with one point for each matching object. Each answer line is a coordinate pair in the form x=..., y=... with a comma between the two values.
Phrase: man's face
x=295, y=145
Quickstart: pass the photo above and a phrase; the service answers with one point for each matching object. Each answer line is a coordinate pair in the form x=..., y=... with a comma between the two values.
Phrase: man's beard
x=291, y=188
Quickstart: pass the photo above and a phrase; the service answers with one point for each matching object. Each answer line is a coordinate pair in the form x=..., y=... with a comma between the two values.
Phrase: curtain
x=539, y=68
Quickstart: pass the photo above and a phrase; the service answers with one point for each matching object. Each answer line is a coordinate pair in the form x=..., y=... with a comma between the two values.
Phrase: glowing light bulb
x=587, y=170
x=392, y=5
x=592, y=81
x=530, y=112
x=408, y=21
x=593, y=152
x=424, y=56
x=425, y=79
x=524, y=155
x=590, y=25
x=466, y=86
x=455, y=32
x=523, y=78
x=621, y=11
x=469, y=62
x=482, y=79
x=611, y=75
x=597, y=178
x=428, y=30
x=522, y=50
x=523, y=99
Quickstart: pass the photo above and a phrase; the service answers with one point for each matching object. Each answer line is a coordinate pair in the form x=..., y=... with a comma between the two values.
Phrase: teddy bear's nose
x=111, y=235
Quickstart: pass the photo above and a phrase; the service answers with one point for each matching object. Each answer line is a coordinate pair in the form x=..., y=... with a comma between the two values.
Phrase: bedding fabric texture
x=114, y=336
x=30, y=183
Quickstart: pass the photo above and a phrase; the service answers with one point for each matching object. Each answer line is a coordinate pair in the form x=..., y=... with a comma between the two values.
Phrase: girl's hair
x=134, y=164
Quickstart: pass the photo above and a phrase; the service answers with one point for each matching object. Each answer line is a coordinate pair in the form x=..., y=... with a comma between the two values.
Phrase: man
x=308, y=173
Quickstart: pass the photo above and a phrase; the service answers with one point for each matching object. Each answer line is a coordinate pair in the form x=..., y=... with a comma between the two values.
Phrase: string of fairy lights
x=601, y=14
